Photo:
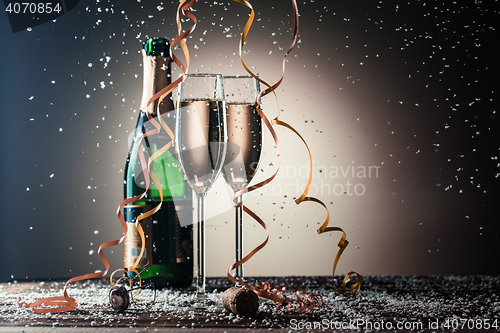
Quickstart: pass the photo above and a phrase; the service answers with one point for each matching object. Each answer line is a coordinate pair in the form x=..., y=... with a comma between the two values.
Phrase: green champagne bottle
x=168, y=232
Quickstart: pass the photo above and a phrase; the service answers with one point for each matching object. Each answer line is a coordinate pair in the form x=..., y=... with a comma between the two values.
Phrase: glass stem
x=200, y=247
x=239, y=237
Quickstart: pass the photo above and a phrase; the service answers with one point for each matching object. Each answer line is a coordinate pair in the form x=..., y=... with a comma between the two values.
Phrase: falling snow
x=409, y=87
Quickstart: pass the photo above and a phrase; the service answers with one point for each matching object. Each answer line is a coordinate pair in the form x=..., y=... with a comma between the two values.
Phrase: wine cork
x=240, y=301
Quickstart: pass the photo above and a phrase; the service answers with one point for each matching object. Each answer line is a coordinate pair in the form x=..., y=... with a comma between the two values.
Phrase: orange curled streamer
x=158, y=126
x=303, y=301
x=67, y=303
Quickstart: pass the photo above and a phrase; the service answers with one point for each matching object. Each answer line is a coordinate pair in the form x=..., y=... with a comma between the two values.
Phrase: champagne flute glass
x=244, y=145
x=201, y=146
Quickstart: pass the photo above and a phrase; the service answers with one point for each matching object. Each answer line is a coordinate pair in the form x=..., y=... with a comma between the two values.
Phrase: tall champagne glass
x=244, y=145
x=201, y=145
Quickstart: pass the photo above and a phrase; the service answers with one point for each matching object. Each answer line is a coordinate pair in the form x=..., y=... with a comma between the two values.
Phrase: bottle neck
x=156, y=76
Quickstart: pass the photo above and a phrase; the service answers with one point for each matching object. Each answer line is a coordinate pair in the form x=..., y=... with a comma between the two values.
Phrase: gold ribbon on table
x=67, y=303
x=304, y=301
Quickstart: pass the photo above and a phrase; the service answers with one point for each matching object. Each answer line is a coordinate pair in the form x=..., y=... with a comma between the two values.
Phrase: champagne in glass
x=201, y=147
x=244, y=145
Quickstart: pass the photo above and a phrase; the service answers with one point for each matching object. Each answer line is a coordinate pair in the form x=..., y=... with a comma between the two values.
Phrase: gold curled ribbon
x=300, y=301
x=304, y=301
x=160, y=95
x=66, y=303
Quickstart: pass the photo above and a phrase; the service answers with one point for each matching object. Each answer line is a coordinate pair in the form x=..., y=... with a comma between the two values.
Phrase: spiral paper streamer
x=67, y=303
x=158, y=126
x=303, y=301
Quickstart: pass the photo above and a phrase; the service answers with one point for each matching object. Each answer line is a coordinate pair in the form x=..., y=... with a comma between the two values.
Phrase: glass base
x=199, y=302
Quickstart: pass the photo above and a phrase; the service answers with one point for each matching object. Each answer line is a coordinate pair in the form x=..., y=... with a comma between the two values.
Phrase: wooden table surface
x=425, y=303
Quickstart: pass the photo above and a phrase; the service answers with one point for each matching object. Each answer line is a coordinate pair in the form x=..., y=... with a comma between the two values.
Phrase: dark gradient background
x=410, y=88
